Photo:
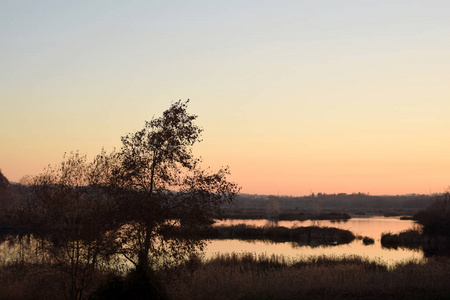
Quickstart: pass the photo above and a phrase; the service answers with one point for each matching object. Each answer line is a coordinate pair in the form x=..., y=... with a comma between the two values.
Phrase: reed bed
x=411, y=238
x=309, y=235
x=250, y=276
x=247, y=276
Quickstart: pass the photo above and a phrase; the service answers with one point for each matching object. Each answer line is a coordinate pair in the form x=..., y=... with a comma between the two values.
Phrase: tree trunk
x=143, y=260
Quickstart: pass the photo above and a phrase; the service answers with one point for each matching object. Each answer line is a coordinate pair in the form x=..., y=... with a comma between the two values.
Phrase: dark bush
x=409, y=238
x=139, y=284
x=389, y=240
x=368, y=241
x=436, y=217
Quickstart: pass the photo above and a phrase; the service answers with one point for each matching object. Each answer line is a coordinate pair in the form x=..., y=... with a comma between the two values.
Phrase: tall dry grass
x=248, y=276
x=20, y=280
x=26, y=281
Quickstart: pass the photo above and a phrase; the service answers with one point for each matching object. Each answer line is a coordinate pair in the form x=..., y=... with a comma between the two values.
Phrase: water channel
x=371, y=227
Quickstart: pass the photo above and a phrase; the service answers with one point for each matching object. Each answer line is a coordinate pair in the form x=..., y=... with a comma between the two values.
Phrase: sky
x=294, y=96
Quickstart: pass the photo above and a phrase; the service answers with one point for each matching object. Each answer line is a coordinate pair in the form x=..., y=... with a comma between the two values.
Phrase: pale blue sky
x=293, y=95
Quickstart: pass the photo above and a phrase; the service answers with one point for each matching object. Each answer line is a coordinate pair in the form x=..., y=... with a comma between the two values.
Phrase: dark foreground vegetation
x=270, y=277
x=248, y=277
x=245, y=276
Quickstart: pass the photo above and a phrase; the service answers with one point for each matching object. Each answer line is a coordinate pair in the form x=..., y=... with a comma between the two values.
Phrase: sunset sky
x=295, y=96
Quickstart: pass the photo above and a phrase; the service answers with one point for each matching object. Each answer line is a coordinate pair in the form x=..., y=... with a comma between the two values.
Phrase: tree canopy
x=130, y=201
x=170, y=189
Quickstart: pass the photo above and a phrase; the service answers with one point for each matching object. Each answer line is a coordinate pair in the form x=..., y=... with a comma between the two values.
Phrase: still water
x=371, y=227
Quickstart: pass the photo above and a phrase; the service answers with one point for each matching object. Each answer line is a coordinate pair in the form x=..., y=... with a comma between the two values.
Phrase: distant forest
x=341, y=201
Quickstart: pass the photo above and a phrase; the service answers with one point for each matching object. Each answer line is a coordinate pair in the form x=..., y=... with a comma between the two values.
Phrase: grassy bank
x=247, y=276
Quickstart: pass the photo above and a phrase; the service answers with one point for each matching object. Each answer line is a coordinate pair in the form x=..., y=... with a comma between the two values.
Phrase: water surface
x=371, y=227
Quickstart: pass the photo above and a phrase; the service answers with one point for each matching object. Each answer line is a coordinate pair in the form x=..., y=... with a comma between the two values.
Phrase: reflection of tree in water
x=339, y=220
x=271, y=223
x=21, y=248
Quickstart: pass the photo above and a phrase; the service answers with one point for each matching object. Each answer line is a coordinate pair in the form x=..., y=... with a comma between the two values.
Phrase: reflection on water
x=20, y=248
x=371, y=227
x=15, y=249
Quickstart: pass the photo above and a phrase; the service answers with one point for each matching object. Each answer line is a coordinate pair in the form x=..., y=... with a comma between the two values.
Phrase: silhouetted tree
x=272, y=208
x=167, y=189
x=128, y=202
x=70, y=210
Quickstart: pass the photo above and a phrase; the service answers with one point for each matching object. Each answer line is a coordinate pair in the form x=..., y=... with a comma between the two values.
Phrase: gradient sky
x=295, y=96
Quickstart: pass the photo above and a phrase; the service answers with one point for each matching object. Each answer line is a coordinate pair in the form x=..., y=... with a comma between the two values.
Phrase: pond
x=372, y=227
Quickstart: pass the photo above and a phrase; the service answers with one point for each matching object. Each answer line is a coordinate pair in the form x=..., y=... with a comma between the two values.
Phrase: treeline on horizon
x=358, y=203
x=341, y=201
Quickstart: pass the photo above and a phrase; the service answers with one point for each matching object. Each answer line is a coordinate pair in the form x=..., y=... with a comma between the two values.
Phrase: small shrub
x=389, y=240
x=368, y=241
x=436, y=217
